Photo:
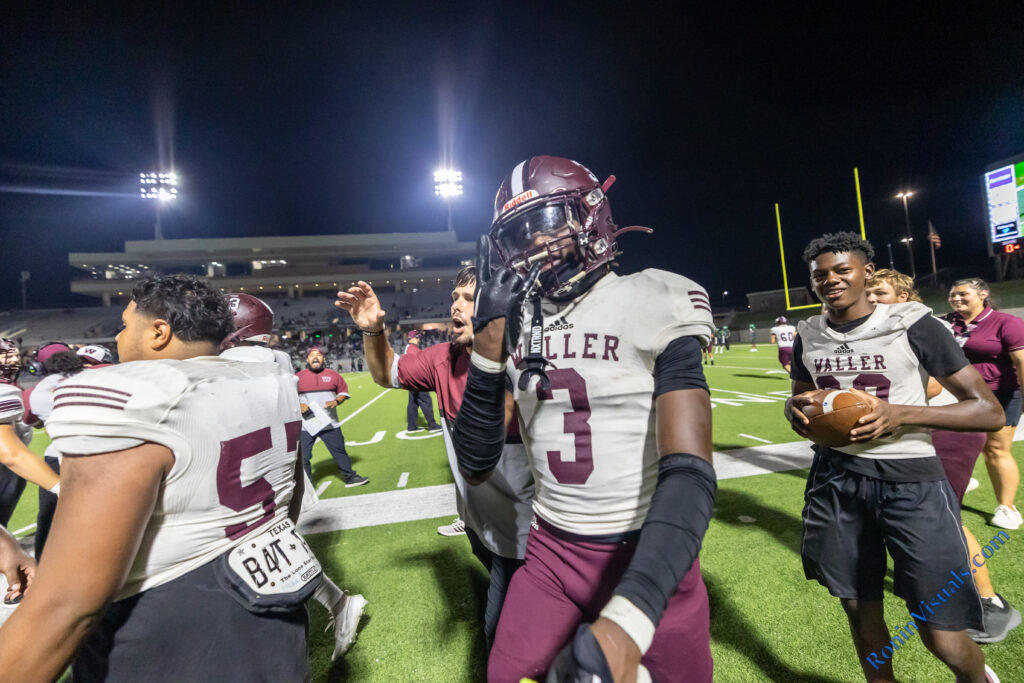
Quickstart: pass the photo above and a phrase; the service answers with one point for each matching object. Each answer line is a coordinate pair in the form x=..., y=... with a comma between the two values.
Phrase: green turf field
x=426, y=592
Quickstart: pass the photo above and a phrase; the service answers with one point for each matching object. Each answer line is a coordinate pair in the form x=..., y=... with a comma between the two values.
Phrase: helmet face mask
x=555, y=210
x=10, y=361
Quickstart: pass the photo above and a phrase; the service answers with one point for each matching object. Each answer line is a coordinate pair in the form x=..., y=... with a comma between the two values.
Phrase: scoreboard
x=1004, y=200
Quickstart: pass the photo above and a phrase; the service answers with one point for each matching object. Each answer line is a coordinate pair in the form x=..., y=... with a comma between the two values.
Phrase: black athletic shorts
x=190, y=629
x=850, y=520
x=1010, y=400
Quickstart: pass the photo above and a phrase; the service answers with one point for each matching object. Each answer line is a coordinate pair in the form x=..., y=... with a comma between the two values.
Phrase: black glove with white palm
x=500, y=293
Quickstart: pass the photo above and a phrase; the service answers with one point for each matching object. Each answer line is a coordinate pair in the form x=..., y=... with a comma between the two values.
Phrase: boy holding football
x=886, y=489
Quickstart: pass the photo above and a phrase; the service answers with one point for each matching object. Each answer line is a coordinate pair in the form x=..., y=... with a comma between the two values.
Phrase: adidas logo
x=559, y=324
x=842, y=348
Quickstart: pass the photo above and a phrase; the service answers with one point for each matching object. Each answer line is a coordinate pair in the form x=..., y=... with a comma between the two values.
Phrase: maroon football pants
x=565, y=583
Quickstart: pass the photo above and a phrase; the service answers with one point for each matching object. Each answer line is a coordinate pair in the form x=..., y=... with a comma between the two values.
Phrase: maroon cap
x=413, y=334
x=311, y=349
x=48, y=351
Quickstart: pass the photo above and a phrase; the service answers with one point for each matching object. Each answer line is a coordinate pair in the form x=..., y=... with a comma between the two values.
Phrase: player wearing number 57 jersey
x=615, y=413
x=178, y=475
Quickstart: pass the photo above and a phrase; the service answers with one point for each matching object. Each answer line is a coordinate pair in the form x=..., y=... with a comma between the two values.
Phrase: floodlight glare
x=447, y=183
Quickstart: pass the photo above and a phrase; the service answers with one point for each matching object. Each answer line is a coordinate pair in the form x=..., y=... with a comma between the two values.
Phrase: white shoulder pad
x=11, y=408
x=908, y=312
x=126, y=401
x=672, y=306
x=814, y=323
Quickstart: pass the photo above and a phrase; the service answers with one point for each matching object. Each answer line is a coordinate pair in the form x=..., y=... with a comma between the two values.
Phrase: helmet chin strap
x=633, y=228
x=534, y=362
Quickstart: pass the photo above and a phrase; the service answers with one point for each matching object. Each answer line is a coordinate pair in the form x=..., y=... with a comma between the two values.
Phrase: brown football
x=833, y=414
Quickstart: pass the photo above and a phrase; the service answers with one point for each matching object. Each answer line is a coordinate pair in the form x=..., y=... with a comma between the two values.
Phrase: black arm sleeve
x=798, y=371
x=935, y=347
x=679, y=367
x=673, y=530
x=479, y=433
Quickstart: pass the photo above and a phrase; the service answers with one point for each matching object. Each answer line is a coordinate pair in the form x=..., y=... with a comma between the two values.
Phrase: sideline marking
x=403, y=480
x=364, y=406
x=30, y=527
x=755, y=438
x=322, y=487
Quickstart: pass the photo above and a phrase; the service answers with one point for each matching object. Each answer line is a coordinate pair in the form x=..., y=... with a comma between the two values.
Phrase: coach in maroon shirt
x=993, y=342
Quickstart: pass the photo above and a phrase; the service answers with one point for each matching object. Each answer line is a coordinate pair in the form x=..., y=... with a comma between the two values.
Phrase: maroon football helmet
x=10, y=361
x=781, y=320
x=254, y=320
x=543, y=209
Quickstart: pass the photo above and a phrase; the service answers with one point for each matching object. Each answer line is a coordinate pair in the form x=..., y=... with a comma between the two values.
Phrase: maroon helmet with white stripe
x=555, y=210
x=254, y=320
x=10, y=361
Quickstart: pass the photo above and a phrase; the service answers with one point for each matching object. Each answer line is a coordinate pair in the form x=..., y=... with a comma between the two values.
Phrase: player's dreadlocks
x=838, y=242
x=193, y=308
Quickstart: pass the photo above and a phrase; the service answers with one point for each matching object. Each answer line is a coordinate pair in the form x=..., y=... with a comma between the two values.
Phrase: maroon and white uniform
x=12, y=410
x=233, y=428
x=591, y=441
x=784, y=335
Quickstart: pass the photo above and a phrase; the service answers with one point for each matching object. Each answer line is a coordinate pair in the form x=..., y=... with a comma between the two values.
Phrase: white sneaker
x=971, y=485
x=345, y=617
x=753, y=349
x=990, y=675
x=456, y=528
x=1007, y=517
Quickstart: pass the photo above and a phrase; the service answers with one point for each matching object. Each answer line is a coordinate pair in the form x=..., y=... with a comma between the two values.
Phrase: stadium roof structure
x=292, y=264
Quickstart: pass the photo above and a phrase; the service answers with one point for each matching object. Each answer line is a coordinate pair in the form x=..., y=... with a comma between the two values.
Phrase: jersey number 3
x=230, y=490
x=576, y=422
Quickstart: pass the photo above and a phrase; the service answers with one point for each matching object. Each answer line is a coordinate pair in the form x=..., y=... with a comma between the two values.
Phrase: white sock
x=328, y=593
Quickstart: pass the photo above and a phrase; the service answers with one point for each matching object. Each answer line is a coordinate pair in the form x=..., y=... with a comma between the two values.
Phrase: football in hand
x=832, y=415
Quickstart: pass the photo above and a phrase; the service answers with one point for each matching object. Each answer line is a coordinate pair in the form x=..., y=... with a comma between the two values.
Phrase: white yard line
x=403, y=480
x=755, y=438
x=364, y=406
x=322, y=487
x=374, y=509
x=750, y=393
x=19, y=532
x=741, y=367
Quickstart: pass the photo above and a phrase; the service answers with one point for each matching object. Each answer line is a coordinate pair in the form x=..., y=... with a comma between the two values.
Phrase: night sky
x=303, y=118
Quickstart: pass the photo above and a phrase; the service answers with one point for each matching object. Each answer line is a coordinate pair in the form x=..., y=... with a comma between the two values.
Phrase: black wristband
x=673, y=530
x=371, y=333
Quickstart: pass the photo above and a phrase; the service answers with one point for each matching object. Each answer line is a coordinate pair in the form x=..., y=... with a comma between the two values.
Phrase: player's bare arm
x=120, y=488
x=976, y=410
x=1017, y=358
x=16, y=565
x=802, y=396
x=19, y=459
x=363, y=305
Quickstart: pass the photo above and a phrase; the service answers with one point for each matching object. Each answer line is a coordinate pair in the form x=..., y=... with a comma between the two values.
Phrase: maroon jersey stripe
x=68, y=387
x=84, y=403
x=84, y=394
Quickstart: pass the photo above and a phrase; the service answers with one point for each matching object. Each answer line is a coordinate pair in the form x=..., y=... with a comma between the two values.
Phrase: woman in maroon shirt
x=994, y=343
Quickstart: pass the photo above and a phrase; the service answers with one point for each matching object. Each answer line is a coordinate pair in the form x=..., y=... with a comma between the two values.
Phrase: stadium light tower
x=448, y=185
x=163, y=187
x=909, y=238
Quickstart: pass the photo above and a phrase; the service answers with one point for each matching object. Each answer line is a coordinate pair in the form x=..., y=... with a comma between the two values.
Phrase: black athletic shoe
x=998, y=621
x=435, y=428
x=356, y=480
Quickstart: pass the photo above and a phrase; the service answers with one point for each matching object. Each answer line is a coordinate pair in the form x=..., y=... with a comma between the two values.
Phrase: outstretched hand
x=363, y=305
x=17, y=567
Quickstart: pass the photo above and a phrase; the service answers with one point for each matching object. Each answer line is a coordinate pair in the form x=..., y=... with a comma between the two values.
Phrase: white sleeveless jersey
x=233, y=428
x=591, y=441
x=12, y=410
x=876, y=358
x=784, y=336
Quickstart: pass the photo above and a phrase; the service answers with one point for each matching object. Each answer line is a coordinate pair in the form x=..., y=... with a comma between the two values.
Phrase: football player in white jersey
x=250, y=342
x=887, y=490
x=615, y=413
x=17, y=462
x=178, y=478
x=783, y=334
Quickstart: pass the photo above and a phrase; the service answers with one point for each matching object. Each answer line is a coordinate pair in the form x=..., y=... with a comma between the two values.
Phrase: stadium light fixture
x=448, y=184
x=909, y=238
x=163, y=187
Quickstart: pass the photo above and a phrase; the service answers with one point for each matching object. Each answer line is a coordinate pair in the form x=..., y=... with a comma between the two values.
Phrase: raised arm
x=363, y=305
